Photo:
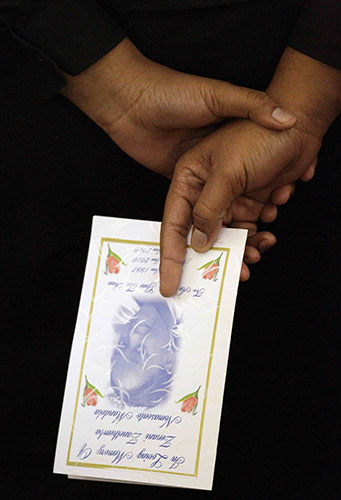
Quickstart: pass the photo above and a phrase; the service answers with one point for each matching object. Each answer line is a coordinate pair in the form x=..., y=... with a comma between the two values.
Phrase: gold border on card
x=104, y=466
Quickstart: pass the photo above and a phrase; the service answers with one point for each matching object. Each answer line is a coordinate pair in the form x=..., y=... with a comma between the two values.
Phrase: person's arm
x=155, y=113
x=310, y=87
x=39, y=39
x=75, y=48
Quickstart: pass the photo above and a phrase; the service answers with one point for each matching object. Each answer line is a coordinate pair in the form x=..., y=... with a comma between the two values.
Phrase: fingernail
x=264, y=245
x=199, y=239
x=281, y=115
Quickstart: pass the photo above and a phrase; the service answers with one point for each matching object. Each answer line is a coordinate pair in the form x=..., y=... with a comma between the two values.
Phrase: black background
x=278, y=428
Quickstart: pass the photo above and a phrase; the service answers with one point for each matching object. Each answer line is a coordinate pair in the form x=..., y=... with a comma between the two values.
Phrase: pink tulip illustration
x=112, y=263
x=90, y=394
x=90, y=397
x=190, y=402
x=211, y=269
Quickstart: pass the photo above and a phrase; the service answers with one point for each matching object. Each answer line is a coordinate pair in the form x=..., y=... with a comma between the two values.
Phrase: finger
x=173, y=241
x=262, y=241
x=210, y=210
x=309, y=173
x=225, y=99
x=246, y=209
x=269, y=213
x=177, y=220
x=282, y=195
x=251, y=255
x=244, y=273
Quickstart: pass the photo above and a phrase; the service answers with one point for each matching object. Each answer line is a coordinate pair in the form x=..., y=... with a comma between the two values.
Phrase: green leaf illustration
x=87, y=383
x=205, y=265
x=117, y=257
x=195, y=394
x=216, y=261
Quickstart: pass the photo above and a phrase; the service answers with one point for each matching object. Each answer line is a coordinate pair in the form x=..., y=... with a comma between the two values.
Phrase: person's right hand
x=231, y=175
x=155, y=113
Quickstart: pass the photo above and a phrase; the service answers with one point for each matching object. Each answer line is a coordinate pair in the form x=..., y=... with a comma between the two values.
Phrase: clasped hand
x=175, y=124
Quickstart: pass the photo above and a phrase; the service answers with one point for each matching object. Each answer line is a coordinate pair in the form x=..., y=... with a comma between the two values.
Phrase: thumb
x=227, y=100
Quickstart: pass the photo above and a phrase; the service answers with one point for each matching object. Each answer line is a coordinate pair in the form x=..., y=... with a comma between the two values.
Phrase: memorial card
x=146, y=376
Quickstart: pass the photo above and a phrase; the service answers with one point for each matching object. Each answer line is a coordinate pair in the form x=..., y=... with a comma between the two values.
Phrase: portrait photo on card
x=147, y=339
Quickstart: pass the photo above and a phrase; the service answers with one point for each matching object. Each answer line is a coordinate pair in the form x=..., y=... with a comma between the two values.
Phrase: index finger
x=176, y=223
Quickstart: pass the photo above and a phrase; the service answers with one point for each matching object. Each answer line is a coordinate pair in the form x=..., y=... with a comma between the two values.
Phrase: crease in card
x=146, y=375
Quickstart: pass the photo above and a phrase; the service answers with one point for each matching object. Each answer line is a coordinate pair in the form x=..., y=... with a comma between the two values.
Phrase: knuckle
x=189, y=176
x=204, y=214
x=172, y=259
x=212, y=101
x=257, y=99
x=191, y=163
x=175, y=228
x=185, y=169
x=180, y=184
x=185, y=188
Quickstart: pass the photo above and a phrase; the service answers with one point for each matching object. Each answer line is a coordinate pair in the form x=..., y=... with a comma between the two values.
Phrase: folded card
x=146, y=376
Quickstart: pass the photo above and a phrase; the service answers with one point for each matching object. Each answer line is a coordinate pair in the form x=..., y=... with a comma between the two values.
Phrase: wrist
x=108, y=87
x=308, y=88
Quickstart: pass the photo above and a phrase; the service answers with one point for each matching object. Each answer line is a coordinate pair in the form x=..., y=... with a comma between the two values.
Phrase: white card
x=146, y=376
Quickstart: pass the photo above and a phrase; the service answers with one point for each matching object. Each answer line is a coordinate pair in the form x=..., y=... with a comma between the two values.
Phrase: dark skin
x=162, y=117
x=242, y=164
x=155, y=114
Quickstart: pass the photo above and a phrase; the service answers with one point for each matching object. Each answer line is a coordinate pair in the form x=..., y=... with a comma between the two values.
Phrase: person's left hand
x=154, y=113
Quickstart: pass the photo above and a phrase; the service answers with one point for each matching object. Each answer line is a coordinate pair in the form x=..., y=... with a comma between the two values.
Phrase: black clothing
x=58, y=169
x=317, y=32
x=40, y=37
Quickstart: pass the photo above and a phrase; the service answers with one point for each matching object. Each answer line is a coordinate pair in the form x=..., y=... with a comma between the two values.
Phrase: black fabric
x=279, y=423
x=73, y=34
x=27, y=79
x=211, y=33
x=145, y=5
x=317, y=32
x=39, y=39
